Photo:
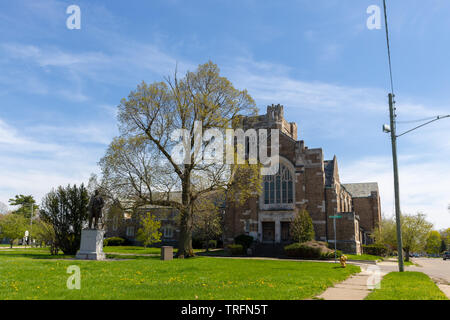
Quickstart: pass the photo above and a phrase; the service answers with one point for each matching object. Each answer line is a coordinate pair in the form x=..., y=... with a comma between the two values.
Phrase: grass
x=34, y=274
x=136, y=250
x=407, y=286
x=363, y=257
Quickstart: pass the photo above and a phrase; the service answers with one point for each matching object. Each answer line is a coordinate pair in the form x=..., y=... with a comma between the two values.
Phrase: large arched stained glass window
x=279, y=188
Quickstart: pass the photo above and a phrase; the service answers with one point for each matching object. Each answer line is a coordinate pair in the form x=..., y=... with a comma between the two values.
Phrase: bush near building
x=310, y=250
x=244, y=240
x=236, y=249
x=375, y=250
x=114, y=242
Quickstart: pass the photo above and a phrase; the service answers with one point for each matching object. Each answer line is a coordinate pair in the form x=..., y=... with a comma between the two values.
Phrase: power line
x=388, y=46
x=419, y=120
x=424, y=124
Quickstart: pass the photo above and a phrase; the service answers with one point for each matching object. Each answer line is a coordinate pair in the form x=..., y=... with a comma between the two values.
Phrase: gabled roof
x=361, y=190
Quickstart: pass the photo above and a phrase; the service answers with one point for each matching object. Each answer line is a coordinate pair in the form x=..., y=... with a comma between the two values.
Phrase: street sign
x=334, y=228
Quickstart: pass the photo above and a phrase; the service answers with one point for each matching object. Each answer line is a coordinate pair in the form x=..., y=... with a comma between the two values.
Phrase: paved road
x=435, y=268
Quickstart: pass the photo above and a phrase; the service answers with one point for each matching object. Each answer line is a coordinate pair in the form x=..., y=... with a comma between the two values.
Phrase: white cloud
x=35, y=160
x=424, y=184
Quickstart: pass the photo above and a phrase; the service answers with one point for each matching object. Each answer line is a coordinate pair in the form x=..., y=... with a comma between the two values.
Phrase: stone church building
x=305, y=180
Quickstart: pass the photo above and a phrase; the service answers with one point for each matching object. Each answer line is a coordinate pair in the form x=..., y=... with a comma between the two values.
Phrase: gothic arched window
x=279, y=188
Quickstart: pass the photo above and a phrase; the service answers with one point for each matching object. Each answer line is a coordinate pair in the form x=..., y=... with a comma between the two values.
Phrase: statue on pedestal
x=91, y=246
x=96, y=204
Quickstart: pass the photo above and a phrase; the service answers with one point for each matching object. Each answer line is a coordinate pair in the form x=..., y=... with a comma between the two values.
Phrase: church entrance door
x=268, y=232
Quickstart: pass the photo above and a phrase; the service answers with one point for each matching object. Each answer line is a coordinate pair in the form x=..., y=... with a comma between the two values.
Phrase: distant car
x=446, y=255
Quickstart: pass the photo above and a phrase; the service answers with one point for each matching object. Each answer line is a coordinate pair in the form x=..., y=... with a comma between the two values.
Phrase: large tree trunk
x=406, y=254
x=185, y=239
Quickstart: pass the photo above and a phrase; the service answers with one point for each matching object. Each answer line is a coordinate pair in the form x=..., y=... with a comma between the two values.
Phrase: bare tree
x=139, y=169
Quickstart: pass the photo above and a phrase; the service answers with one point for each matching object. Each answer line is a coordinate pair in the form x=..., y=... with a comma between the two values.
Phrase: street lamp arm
x=424, y=124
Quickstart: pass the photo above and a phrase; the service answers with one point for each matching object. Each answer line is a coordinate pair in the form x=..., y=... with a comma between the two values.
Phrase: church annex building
x=305, y=180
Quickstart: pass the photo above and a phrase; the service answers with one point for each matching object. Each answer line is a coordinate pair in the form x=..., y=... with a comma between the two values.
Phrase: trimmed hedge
x=310, y=250
x=236, y=249
x=114, y=241
x=244, y=240
x=375, y=250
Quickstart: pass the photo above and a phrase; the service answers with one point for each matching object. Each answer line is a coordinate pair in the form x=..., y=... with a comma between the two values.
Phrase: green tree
x=302, y=229
x=24, y=204
x=445, y=235
x=443, y=247
x=13, y=226
x=386, y=233
x=149, y=232
x=433, y=242
x=415, y=229
x=44, y=233
x=138, y=164
x=207, y=220
x=66, y=209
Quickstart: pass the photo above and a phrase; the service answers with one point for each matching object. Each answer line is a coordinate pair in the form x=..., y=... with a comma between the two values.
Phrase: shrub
x=114, y=241
x=213, y=244
x=302, y=229
x=310, y=250
x=330, y=255
x=244, y=240
x=236, y=249
x=375, y=250
x=302, y=250
x=66, y=209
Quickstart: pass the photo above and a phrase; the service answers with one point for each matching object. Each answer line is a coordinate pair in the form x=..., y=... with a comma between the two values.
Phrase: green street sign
x=335, y=217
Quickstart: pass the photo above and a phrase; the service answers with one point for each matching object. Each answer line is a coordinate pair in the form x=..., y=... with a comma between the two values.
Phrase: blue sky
x=59, y=88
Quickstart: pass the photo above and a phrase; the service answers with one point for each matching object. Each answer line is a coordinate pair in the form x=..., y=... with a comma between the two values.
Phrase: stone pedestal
x=91, y=245
x=167, y=253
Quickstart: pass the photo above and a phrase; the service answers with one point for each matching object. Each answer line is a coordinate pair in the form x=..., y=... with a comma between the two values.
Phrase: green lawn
x=363, y=257
x=137, y=250
x=34, y=274
x=407, y=286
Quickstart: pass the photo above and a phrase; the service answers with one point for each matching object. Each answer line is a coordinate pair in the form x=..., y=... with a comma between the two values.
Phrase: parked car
x=446, y=255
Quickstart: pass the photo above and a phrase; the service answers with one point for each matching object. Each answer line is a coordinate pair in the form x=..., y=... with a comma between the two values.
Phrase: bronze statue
x=95, y=209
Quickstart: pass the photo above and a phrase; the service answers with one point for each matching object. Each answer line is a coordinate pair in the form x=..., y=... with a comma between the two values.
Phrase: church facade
x=305, y=180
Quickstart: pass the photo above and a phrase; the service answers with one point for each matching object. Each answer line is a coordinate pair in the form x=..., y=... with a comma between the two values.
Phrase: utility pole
x=396, y=182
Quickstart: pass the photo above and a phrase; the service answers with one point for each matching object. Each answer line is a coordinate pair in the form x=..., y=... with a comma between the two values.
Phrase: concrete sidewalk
x=357, y=287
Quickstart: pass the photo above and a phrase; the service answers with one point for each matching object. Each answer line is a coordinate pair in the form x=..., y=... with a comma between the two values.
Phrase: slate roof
x=361, y=190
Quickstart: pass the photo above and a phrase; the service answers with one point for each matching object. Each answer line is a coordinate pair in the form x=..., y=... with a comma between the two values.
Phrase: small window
x=168, y=232
x=130, y=231
x=247, y=226
x=115, y=223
